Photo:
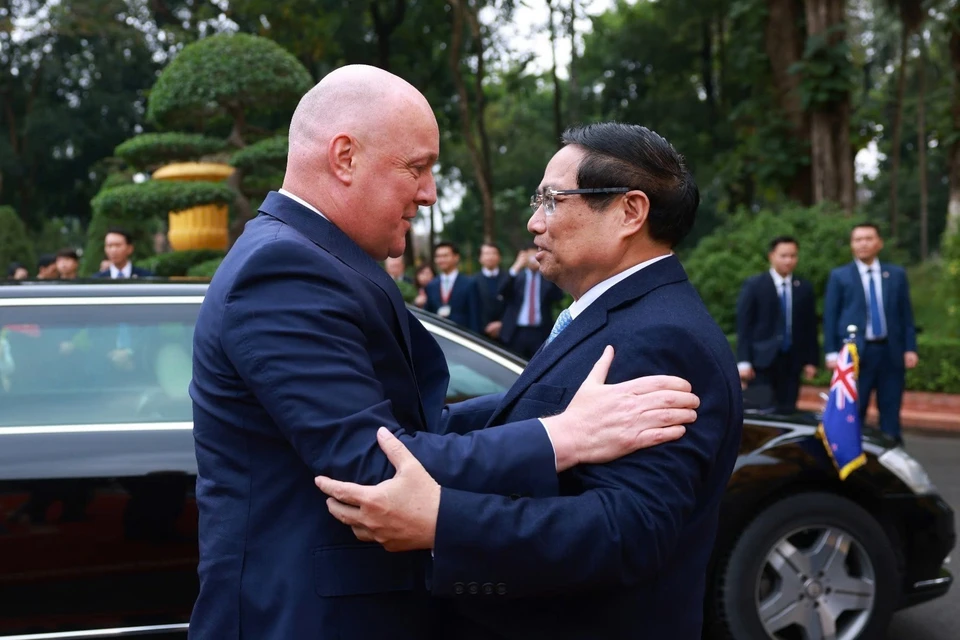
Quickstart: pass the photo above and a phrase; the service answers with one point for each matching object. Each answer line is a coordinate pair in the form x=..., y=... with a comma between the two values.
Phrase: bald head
x=362, y=145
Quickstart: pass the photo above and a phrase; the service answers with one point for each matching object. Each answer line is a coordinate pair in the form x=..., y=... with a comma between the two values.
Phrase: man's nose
x=428, y=192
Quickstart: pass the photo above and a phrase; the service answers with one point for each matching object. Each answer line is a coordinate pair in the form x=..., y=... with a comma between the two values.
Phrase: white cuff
x=744, y=366
x=547, y=431
x=831, y=357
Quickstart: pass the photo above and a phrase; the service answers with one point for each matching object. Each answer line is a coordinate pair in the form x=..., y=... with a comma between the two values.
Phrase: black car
x=98, y=520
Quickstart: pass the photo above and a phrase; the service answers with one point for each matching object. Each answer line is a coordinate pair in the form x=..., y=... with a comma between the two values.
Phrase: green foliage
x=182, y=263
x=271, y=152
x=950, y=253
x=149, y=150
x=205, y=269
x=158, y=197
x=826, y=70
x=14, y=244
x=720, y=263
x=407, y=290
x=233, y=74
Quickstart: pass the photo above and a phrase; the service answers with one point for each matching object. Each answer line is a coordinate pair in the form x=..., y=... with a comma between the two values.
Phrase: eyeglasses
x=547, y=198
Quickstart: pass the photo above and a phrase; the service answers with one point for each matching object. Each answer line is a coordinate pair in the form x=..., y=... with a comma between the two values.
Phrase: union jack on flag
x=839, y=428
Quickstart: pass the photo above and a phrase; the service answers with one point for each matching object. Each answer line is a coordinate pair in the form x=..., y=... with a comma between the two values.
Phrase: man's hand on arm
x=604, y=422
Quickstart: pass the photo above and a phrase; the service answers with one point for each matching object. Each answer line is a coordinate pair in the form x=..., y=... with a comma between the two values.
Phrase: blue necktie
x=563, y=320
x=876, y=314
x=785, y=312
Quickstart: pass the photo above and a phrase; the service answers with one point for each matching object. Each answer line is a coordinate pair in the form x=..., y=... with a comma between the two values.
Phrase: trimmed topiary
x=152, y=149
x=15, y=245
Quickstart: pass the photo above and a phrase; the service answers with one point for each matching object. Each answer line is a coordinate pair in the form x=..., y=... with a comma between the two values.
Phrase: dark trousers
x=526, y=340
x=882, y=371
x=782, y=377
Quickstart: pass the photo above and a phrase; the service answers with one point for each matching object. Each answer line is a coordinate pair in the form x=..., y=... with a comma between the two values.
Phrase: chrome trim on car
x=96, y=428
x=119, y=632
x=923, y=584
x=121, y=300
x=476, y=348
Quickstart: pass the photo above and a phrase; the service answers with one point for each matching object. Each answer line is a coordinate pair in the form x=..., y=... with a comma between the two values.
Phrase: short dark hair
x=450, y=245
x=68, y=253
x=782, y=240
x=46, y=260
x=629, y=155
x=866, y=225
x=423, y=267
x=121, y=232
x=492, y=245
x=12, y=269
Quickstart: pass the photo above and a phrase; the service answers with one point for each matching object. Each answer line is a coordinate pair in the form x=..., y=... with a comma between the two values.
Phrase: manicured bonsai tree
x=15, y=246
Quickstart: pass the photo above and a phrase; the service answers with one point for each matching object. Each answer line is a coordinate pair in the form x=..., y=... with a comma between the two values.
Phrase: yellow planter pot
x=204, y=226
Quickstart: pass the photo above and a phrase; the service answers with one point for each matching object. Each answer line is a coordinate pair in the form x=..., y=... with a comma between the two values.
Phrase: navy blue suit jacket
x=512, y=293
x=135, y=272
x=464, y=301
x=760, y=325
x=303, y=349
x=846, y=304
x=491, y=301
x=622, y=552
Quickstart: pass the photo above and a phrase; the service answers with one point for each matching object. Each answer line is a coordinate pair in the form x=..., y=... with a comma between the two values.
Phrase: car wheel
x=814, y=566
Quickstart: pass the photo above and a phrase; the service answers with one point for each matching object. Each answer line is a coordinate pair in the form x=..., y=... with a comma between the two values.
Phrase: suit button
x=488, y=588
x=473, y=588
x=458, y=588
x=501, y=589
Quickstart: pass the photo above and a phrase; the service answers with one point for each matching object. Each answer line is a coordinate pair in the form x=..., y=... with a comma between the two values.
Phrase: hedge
x=227, y=74
x=181, y=263
x=15, y=245
x=938, y=370
x=263, y=154
x=205, y=269
x=159, y=197
x=152, y=149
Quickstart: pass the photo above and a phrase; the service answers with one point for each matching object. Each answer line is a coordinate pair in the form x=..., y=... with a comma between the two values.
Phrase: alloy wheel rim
x=816, y=583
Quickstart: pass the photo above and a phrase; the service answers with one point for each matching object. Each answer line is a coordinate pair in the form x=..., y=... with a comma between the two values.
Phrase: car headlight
x=904, y=466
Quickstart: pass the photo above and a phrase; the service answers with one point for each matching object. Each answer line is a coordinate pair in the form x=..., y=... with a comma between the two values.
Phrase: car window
x=473, y=374
x=96, y=364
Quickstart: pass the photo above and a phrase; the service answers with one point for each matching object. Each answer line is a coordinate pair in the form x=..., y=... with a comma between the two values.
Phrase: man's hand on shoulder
x=604, y=422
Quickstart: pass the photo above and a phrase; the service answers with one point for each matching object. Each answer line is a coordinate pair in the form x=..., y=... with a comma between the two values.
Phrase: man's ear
x=341, y=154
x=636, y=208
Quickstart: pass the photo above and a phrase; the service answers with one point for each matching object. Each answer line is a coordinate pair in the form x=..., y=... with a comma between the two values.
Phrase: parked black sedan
x=98, y=520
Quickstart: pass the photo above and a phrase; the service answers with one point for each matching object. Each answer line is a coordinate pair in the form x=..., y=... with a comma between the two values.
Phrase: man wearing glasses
x=622, y=550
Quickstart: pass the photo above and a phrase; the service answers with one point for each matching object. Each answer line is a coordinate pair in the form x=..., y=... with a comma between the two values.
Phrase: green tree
x=14, y=244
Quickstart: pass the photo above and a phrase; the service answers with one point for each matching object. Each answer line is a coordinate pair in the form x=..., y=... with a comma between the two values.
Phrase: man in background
x=397, y=269
x=875, y=298
x=452, y=295
x=68, y=262
x=777, y=330
x=528, y=301
x=118, y=245
x=489, y=282
x=47, y=267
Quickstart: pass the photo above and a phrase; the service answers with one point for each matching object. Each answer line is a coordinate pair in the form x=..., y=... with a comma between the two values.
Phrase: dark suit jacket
x=491, y=302
x=135, y=272
x=846, y=304
x=759, y=323
x=623, y=552
x=464, y=301
x=512, y=293
x=303, y=348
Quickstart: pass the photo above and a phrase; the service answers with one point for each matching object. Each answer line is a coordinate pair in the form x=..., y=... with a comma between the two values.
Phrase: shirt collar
x=597, y=290
x=127, y=270
x=303, y=202
x=778, y=279
x=490, y=273
x=862, y=266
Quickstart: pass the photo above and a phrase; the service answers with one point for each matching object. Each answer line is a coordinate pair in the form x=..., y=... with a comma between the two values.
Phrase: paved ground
x=940, y=619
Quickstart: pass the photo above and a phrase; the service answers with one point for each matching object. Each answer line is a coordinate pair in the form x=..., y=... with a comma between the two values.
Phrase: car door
x=98, y=520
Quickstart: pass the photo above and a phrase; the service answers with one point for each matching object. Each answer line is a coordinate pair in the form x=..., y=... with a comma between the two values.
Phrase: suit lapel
x=857, y=282
x=593, y=319
x=328, y=237
x=885, y=294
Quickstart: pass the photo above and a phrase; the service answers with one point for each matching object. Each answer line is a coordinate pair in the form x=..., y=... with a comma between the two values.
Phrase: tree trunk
x=573, y=102
x=784, y=40
x=898, y=130
x=384, y=28
x=242, y=209
x=830, y=149
x=706, y=71
x=557, y=117
x=922, y=149
x=953, y=207
x=478, y=151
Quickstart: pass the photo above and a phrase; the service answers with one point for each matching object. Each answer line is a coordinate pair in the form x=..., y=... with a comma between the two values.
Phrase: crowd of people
x=118, y=248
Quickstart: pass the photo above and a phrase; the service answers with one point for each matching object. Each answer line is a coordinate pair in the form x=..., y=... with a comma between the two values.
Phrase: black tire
x=736, y=609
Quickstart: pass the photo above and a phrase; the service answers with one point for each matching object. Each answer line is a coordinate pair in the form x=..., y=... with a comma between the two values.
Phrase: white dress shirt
x=447, y=282
x=490, y=273
x=863, y=268
x=126, y=272
x=597, y=290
